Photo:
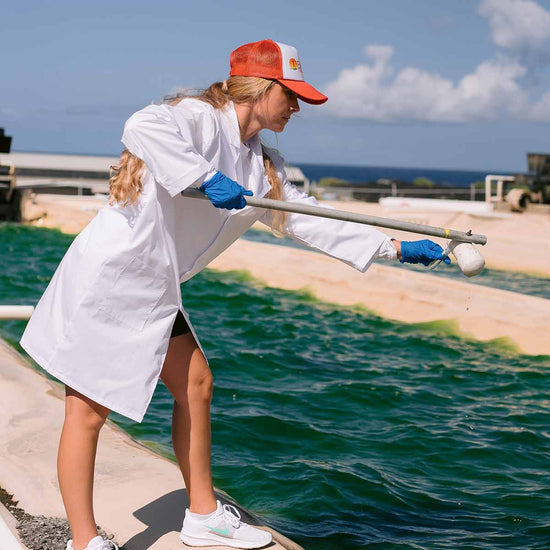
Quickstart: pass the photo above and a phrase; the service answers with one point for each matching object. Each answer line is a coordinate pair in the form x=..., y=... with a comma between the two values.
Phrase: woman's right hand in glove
x=223, y=192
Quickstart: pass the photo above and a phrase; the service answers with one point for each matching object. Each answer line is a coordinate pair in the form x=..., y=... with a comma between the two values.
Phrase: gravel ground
x=40, y=532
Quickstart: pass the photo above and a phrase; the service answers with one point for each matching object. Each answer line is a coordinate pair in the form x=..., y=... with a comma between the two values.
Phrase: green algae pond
x=344, y=430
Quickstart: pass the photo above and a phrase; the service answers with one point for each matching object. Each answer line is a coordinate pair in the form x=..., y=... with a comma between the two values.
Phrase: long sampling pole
x=332, y=213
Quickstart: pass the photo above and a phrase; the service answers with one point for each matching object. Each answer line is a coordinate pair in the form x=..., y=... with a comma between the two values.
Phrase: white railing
x=500, y=187
x=470, y=192
x=15, y=313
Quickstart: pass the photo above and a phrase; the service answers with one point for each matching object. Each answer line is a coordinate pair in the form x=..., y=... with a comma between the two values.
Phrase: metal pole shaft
x=342, y=215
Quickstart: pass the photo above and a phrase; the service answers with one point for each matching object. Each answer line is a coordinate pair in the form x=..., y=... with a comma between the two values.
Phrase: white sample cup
x=468, y=257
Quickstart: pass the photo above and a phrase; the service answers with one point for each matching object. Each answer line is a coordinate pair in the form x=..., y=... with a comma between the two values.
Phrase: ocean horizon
x=356, y=174
x=363, y=174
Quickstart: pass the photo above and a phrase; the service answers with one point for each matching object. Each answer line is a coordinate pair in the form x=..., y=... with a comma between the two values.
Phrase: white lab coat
x=104, y=322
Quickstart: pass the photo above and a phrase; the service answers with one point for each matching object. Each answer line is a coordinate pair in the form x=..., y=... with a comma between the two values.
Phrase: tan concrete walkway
x=515, y=241
x=139, y=496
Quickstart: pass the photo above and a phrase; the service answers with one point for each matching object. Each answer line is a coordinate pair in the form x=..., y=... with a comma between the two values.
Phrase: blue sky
x=425, y=83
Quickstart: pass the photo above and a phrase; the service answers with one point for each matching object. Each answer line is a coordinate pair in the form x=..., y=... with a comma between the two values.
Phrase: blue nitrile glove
x=223, y=192
x=421, y=252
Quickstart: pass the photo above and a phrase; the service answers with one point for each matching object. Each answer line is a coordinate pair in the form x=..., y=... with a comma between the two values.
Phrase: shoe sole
x=215, y=540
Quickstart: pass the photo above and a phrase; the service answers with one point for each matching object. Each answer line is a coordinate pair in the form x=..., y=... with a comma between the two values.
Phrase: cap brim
x=304, y=91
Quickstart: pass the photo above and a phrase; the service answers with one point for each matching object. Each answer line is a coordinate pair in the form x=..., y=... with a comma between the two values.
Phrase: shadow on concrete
x=166, y=513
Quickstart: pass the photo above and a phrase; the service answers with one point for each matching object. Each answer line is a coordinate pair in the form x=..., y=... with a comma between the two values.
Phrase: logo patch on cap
x=294, y=64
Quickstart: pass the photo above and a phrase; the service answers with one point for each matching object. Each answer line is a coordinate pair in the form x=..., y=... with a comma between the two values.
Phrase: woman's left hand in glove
x=421, y=252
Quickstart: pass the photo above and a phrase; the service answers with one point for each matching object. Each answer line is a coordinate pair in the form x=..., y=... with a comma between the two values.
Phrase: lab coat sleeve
x=355, y=244
x=171, y=141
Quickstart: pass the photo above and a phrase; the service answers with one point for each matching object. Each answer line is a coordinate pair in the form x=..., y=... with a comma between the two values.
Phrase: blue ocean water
x=361, y=174
x=344, y=430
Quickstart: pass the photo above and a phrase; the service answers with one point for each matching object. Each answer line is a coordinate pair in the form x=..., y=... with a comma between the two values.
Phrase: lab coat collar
x=253, y=143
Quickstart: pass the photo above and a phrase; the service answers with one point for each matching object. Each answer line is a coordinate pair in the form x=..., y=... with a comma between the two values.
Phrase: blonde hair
x=125, y=181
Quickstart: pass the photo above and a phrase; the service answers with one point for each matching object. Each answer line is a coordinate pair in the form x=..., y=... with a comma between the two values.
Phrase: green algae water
x=341, y=429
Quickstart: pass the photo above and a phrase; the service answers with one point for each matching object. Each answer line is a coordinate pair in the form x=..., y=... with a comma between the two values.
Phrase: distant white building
x=297, y=177
x=50, y=168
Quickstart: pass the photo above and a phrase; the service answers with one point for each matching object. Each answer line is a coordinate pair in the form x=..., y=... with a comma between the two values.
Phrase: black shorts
x=180, y=326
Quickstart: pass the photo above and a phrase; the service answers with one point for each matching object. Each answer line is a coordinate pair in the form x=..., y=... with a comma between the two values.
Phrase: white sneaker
x=224, y=526
x=97, y=543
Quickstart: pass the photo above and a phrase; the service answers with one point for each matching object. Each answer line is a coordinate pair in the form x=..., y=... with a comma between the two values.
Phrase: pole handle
x=342, y=215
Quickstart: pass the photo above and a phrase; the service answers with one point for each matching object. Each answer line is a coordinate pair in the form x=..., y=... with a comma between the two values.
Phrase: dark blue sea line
x=362, y=174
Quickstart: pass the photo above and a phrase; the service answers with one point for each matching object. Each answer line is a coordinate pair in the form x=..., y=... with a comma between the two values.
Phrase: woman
x=111, y=321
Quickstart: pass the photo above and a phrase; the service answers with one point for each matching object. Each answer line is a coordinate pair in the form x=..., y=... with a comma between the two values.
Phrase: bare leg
x=75, y=463
x=186, y=375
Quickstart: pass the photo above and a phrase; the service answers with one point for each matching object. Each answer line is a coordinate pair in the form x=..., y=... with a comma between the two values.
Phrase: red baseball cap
x=275, y=61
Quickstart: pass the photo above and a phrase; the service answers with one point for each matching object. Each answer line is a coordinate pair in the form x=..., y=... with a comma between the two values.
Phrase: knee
x=200, y=387
x=84, y=412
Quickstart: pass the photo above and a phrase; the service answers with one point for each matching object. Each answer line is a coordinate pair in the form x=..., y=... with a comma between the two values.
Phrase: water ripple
x=345, y=430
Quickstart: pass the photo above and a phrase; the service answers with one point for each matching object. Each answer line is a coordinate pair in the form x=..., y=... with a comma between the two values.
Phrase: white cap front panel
x=292, y=69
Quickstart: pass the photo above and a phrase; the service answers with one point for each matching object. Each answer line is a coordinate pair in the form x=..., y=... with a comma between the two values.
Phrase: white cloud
x=518, y=25
x=368, y=91
x=540, y=111
x=499, y=87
